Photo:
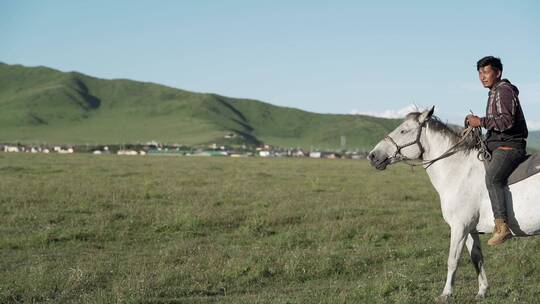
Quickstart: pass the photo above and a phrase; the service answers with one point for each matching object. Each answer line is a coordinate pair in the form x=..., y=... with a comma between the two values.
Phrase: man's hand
x=473, y=121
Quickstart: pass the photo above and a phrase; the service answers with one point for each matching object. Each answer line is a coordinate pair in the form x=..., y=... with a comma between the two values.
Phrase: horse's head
x=402, y=143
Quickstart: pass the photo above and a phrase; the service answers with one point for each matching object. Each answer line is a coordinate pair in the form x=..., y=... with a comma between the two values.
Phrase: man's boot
x=501, y=233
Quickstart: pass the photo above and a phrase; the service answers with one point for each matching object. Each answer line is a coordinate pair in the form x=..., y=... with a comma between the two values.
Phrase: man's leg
x=498, y=170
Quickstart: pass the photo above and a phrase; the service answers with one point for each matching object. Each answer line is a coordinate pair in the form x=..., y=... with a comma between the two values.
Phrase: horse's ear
x=426, y=115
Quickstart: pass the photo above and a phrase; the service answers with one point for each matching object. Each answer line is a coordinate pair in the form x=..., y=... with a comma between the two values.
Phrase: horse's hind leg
x=473, y=245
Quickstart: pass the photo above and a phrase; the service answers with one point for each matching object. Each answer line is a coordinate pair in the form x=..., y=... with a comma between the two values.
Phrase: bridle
x=398, y=156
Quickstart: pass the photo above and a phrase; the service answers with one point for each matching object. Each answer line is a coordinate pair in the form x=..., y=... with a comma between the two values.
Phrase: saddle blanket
x=529, y=167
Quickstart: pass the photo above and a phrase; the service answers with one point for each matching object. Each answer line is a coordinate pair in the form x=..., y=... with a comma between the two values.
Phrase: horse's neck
x=447, y=174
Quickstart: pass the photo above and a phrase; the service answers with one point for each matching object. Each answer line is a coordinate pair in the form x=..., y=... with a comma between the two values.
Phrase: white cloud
x=400, y=113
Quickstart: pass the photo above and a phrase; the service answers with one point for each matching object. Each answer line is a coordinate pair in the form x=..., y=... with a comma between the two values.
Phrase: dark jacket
x=504, y=118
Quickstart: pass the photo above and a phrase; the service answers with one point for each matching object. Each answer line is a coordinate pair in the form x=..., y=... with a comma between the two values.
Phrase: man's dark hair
x=494, y=62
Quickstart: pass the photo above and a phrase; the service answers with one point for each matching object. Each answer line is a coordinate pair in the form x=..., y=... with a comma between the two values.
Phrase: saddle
x=529, y=167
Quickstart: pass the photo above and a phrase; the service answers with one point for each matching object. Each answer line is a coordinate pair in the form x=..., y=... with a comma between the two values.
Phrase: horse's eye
x=403, y=131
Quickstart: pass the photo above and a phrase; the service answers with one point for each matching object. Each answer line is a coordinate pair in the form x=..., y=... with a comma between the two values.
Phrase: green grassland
x=40, y=104
x=113, y=229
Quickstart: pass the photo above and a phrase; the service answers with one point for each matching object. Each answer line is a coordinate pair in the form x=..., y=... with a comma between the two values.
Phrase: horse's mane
x=452, y=132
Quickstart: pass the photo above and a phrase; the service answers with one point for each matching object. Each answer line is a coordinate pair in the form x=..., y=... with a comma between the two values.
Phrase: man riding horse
x=505, y=138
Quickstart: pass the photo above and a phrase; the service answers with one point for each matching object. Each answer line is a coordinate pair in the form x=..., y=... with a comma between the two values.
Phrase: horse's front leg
x=458, y=233
x=473, y=245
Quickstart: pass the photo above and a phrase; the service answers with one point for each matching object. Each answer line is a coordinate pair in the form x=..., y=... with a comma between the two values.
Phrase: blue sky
x=319, y=56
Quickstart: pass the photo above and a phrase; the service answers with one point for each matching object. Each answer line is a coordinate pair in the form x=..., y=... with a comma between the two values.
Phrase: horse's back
x=529, y=167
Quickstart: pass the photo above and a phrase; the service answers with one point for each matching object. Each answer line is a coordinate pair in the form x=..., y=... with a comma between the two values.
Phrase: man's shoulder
x=504, y=83
x=505, y=87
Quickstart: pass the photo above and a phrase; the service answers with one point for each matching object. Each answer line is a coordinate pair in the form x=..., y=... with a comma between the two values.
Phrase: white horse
x=460, y=182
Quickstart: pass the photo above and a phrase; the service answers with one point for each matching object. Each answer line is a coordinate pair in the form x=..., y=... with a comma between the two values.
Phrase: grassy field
x=112, y=229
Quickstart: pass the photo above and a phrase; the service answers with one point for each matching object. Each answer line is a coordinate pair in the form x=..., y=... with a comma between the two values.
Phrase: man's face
x=488, y=76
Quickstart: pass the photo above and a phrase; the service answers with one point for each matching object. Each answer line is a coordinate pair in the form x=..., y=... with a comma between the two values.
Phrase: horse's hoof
x=443, y=299
x=480, y=297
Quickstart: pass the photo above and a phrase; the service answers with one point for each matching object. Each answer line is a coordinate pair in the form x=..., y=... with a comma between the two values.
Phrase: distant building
x=299, y=153
x=127, y=152
x=66, y=151
x=11, y=149
x=332, y=156
x=265, y=154
x=315, y=154
x=210, y=153
x=238, y=155
x=229, y=136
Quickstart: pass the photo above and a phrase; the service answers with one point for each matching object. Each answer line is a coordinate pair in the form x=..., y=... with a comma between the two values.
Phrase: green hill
x=39, y=104
x=533, y=141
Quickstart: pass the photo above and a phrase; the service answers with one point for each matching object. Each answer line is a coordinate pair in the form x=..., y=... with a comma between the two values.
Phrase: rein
x=483, y=154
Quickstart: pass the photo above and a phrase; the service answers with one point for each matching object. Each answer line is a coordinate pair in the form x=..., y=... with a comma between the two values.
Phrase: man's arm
x=505, y=109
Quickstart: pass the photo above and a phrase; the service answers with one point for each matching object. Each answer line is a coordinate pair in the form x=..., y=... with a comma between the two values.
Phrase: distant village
x=155, y=148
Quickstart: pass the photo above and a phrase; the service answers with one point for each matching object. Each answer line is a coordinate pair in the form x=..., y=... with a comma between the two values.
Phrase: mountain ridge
x=41, y=104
